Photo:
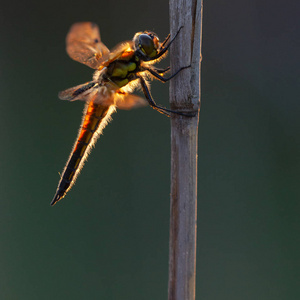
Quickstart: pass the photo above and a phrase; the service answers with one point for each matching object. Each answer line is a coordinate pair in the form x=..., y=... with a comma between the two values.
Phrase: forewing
x=128, y=101
x=122, y=50
x=84, y=44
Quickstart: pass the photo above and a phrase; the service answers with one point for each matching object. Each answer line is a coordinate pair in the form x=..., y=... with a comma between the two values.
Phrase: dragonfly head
x=146, y=44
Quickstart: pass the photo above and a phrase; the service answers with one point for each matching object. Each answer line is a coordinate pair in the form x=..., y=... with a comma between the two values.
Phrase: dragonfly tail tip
x=56, y=198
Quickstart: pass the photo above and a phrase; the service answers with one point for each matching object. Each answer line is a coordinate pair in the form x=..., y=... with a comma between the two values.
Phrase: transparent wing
x=129, y=101
x=79, y=92
x=122, y=50
x=84, y=44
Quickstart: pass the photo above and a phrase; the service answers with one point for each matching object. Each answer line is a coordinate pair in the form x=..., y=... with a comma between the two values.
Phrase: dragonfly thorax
x=121, y=72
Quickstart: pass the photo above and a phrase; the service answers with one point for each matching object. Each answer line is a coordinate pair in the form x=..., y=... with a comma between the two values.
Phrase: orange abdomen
x=94, y=120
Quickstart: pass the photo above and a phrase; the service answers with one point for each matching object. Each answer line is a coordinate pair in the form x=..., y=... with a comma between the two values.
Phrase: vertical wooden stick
x=184, y=96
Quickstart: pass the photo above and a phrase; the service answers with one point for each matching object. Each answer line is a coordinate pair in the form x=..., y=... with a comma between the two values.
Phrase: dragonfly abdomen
x=95, y=118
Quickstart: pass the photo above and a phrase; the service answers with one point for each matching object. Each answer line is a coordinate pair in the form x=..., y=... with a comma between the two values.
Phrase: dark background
x=108, y=239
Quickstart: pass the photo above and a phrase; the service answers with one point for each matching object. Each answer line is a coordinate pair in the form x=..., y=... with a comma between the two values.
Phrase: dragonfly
x=118, y=73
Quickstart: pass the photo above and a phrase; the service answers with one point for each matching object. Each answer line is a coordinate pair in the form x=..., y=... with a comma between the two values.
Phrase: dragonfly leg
x=161, y=71
x=152, y=103
x=155, y=73
x=165, y=41
x=150, y=100
x=165, y=45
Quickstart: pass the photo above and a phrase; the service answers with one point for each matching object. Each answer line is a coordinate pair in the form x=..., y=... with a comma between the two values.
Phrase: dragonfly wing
x=84, y=44
x=128, y=101
x=79, y=92
x=122, y=50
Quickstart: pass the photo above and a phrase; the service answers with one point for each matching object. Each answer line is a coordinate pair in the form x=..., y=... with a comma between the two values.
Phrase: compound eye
x=146, y=44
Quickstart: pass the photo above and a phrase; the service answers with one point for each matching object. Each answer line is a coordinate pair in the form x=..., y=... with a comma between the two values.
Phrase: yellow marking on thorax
x=121, y=83
x=121, y=69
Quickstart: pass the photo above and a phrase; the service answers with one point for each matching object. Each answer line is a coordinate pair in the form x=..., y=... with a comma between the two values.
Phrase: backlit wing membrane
x=121, y=50
x=79, y=92
x=84, y=44
x=128, y=101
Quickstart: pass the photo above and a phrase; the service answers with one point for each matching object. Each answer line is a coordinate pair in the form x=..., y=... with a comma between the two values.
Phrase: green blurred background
x=108, y=239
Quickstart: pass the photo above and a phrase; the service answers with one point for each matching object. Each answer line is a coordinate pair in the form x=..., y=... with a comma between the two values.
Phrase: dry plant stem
x=184, y=96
